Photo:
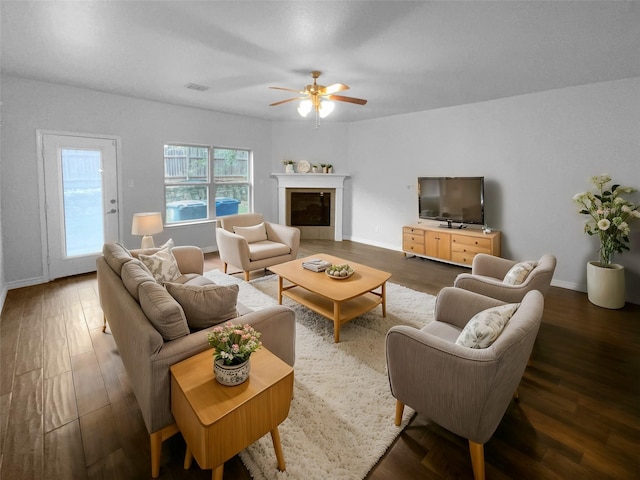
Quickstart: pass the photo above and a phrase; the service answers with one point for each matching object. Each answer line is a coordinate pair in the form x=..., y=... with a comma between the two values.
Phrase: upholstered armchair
x=488, y=273
x=246, y=241
x=465, y=390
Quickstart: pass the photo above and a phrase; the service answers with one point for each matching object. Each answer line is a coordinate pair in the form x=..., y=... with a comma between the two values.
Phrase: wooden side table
x=217, y=421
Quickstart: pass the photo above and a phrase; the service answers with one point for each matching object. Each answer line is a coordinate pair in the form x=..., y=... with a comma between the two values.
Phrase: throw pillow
x=150, y=251
x=518, y=273
x=162, y=265
x=255, y=233
x=485, y=327
x=164, y=313
x=205, y=305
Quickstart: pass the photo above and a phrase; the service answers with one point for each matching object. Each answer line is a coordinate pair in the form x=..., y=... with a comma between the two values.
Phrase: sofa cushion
x=133, y=274
x=163, y=311
x=485, y=327
x=518, y=273
x=254, y=233
x=267, y=249
x=162, y=265
x=116, y=256
x=205, y=305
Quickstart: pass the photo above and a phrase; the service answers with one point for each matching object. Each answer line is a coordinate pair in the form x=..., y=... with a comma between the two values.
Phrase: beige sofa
x=145, y=354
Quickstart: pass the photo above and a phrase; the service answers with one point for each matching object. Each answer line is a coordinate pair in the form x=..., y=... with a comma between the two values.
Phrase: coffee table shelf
x=348, y=309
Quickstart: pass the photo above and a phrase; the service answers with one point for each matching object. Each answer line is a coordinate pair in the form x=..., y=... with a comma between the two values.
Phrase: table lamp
x=146, y=224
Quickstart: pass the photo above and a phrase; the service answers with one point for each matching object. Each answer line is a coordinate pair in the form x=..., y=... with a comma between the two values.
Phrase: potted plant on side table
x=609, y=218
x=233, y=346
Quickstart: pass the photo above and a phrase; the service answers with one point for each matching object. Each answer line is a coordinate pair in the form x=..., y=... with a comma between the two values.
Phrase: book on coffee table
x=316, y=265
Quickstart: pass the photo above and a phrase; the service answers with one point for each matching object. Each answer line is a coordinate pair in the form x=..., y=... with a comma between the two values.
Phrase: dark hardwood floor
x=67, y=410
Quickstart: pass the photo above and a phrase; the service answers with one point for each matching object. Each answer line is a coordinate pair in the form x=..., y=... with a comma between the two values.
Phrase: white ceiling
x=402, y=56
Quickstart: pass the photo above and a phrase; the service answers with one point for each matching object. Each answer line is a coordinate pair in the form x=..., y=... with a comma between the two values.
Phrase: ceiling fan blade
x=336, y=87
x=340, y=98
x=287, y=100
x=288, y=90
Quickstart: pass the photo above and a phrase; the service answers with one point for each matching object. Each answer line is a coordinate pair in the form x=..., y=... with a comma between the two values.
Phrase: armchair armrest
x=490, y=266
x=233, y=248
x=190, y=259
x=457, y=306
x=444, y=380
x=290, y=236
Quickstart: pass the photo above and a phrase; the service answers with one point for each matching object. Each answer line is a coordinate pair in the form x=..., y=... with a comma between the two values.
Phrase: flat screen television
x=451, y=199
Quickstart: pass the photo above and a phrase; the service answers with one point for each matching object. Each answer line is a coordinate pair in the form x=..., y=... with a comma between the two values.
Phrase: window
x=232, y=177
x=190, y=189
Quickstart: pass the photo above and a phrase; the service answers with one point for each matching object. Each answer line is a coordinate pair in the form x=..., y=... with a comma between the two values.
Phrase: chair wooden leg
x=399, y=412
x=246, y=276
x=225, y=267
x=104, y=324
x=516, y=395
x=477, y=459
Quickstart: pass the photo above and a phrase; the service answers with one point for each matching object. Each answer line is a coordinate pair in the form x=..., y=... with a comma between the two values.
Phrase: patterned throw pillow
x=485, y=327
x=162, y=265
x=255, y=233
x=518, y=273
x=205, y=305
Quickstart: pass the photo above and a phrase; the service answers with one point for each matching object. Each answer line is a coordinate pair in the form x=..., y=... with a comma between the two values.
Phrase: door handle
x=113, y=210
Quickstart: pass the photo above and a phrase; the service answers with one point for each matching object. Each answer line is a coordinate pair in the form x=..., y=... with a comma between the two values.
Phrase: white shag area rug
x=341, y=419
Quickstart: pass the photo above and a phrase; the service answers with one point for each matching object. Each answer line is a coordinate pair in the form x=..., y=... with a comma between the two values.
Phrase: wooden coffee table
x=217, y=421
x=337, y=300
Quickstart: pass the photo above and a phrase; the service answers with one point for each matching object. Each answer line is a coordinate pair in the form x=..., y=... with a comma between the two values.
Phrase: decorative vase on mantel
x=288, y=168
x=231, y=375
x=605, y=284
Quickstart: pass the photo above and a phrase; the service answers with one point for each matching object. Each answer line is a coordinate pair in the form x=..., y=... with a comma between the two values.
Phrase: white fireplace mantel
x=311, y=180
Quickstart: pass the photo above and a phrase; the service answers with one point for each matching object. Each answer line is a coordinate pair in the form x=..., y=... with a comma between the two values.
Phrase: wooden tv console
x=452, y=245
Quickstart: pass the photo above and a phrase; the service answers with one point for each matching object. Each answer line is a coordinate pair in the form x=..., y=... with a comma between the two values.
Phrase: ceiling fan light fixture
x=304, y=108
x=326, y=107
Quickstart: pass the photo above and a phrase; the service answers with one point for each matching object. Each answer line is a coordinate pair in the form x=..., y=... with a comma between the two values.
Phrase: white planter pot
x=605, y=286
x=288, y=168
x=231, y=375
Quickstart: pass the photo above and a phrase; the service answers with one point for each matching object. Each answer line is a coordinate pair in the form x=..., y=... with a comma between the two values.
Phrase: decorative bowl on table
x=339, y=272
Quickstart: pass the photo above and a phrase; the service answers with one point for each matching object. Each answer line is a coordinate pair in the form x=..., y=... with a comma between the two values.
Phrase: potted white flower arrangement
x=288, y=165
x=609, y=217
x=233, y=346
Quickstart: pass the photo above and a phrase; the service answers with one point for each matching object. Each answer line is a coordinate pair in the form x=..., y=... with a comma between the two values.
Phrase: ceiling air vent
x=195, y=86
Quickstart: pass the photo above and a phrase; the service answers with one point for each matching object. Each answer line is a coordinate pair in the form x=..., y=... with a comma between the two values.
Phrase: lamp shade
x=326, y=107
x=147, y=223
x=305, y=107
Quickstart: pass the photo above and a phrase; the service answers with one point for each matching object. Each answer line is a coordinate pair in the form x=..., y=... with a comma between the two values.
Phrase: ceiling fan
x=318, y=97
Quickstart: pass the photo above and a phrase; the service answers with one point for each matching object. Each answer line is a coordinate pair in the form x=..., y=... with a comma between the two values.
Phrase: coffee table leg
x=336, y=322
x=216, y=473
x=384, y=300
x=279, y=290
x=275, y=438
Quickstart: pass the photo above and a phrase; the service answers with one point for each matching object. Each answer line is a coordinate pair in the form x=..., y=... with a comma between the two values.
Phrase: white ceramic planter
x=231, y=375
x=605, y=286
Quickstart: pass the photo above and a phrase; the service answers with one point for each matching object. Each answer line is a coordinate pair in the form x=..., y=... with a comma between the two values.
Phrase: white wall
x=535, y=151
x=143, y=128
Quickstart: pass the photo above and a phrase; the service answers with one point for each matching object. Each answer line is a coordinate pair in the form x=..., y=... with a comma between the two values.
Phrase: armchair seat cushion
x=442, y=330
x=267, y=249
